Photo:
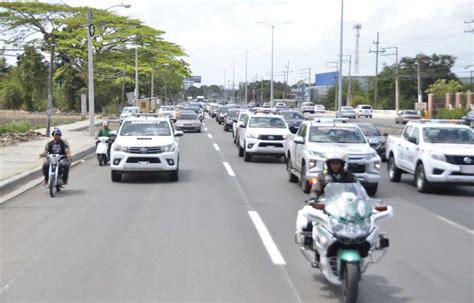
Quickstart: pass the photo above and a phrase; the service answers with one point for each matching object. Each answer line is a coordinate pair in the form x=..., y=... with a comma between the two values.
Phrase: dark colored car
x=407, y=115
x=230, y=118
x=221, y=114
x=377, y=140
x=293, y=119
x=469, y=119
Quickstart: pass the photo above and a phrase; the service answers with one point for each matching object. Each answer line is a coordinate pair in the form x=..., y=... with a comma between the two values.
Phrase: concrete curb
x=12, y=184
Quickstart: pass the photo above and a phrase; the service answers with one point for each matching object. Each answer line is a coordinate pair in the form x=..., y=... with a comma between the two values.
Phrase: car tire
x=116, y=176
x=394, y=173
x=240, y=149
x=371, y=189
x=304, y=182
x=422, y=185
x=291, y=177
x=247, y=156
x=174, y=175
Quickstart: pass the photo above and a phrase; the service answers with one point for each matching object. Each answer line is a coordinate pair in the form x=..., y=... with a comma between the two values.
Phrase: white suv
x=128, y=111
x=168, y=111
x=364, y=110
x=262, y=134
x=145, y=144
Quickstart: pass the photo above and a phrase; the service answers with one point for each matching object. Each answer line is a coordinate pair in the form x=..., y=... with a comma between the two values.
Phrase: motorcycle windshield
x=348, y=202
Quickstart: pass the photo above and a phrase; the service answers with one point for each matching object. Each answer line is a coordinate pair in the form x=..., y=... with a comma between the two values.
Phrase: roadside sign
x=83, y=106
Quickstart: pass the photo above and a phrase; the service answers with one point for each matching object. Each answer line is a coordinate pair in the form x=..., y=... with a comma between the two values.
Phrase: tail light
x=381, y=208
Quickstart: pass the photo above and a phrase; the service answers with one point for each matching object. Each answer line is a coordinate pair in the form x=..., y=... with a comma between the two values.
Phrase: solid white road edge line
x=455, y=224
x=267, y=240
x=210, y=136
x=229, y=169
x=216, y=147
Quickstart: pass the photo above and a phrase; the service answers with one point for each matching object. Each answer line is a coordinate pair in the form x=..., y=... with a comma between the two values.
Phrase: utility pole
x=357, y=27
x=261, y=93
x=233, y=82
x=339, y=95
x=123, y=87
x=397, y=77
x=136, y=74
x=90, y=68
x=246, y=88
x=151, y=84
x=50, y=87
x=376, y=66
x=225, y=80
x=349, y=82
x=418, y=76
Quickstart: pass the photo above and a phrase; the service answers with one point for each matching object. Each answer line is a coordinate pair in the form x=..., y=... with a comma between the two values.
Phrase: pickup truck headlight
x=316, y=154
x=118, y=147
x=438, y=156
x=168, y=148
x=251, y=136
x=371, y=155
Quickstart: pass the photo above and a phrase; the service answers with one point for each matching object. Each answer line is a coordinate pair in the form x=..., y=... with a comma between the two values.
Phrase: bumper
x=265, y=147
x=144, y=162
x=443, y=172
x=188, y=128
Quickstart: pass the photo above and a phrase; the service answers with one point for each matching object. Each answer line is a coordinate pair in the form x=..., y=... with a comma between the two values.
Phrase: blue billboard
x=326, y=79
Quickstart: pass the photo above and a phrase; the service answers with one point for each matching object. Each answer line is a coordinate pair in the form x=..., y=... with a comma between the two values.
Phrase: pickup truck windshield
x=290, y=115
x=448, y=135
x=331, y=134
x=145, y=128
x=266, y=122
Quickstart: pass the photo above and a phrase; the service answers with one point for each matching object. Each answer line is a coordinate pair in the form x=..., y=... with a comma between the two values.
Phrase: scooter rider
x=105, y=130
x=57, y=146
x=336, y=172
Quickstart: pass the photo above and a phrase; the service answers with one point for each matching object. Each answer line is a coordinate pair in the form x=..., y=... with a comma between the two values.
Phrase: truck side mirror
x=298, y=140
x=413, y=140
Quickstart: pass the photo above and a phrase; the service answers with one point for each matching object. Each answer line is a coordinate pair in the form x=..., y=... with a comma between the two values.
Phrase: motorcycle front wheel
x=52, y=182
x=350, y=284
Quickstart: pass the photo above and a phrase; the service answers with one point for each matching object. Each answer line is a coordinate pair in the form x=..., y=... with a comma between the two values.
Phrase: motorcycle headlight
x=438, y=156
x=251, y=136
x=168, y=148
x=53, y=160
x=350, y=230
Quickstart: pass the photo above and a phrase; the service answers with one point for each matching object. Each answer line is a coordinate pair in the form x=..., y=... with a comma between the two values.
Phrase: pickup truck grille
x=267, y=144
x=145, y=150
x=143, y=159
x=460, y=160
x=271, y=137
x=357, y=168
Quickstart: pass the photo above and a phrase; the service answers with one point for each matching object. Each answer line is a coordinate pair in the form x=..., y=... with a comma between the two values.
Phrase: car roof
x=151, y=117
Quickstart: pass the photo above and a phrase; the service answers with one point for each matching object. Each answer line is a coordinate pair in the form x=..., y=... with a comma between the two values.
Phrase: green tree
x=441, y=87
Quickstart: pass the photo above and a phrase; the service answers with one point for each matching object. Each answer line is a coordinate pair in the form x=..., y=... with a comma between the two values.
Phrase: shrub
x=15, y=127
x=445, y=113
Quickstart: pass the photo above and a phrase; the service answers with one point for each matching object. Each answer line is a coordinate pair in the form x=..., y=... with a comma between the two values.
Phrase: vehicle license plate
x=143, y=162
x=467, y=169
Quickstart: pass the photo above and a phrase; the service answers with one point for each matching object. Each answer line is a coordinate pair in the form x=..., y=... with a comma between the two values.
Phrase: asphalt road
x=150, y=240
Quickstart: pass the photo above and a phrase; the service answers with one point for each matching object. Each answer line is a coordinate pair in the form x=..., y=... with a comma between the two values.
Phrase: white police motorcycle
x=341, y=237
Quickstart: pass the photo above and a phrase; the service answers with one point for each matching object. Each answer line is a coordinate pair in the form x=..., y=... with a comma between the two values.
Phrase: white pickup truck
x=305, y=153
x=434, y=152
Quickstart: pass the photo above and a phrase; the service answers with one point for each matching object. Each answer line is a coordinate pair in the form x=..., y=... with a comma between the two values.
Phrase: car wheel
x=304, y=182
x=247, y=156
x=289, y=167
x=116, y=176
x=240, y=149
x=422, y=185
x=394, y=174
x=174, y=176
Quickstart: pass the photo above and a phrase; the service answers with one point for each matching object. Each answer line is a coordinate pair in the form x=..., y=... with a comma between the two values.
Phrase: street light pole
x=233, y=82
x=246, y=90
x=136, y=73
x=418, y=79
x=50, y=87
x=90, y=65
x=339, y=95
x=397, y=76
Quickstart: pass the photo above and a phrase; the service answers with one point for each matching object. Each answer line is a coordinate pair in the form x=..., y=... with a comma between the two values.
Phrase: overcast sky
x=215, y=33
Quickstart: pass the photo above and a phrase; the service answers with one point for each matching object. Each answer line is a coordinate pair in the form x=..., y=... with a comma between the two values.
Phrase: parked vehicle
x=434, y=152
x=306, y=152
x=102, y=150
x=145, y=144
x=348, y=112
x=293, y=119
x=376, y=139
x=364, y=110
x=341, y=237
x=55, y=179
x=404, y=116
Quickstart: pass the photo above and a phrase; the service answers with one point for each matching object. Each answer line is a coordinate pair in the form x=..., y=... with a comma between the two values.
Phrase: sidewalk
x=20, y=162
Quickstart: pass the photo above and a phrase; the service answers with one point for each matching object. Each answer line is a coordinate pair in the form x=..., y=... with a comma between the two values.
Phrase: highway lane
x=194, y=240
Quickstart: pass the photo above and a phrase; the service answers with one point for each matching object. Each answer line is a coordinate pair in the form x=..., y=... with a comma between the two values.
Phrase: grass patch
x=15, y=127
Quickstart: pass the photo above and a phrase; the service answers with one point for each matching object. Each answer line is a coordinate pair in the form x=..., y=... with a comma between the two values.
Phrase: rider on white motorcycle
x=336, y=172
x=104, y=132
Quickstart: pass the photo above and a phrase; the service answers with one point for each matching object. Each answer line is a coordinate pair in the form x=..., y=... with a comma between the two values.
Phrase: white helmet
x=105, y=123
x=336, y=154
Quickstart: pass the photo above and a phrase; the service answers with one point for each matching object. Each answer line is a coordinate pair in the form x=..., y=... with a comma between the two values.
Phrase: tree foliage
x=441, y=87
x=114, y=40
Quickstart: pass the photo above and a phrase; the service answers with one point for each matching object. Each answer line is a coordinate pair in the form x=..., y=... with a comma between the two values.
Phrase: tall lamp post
x=339, y=95
x=272, y=26
x=90, y=66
